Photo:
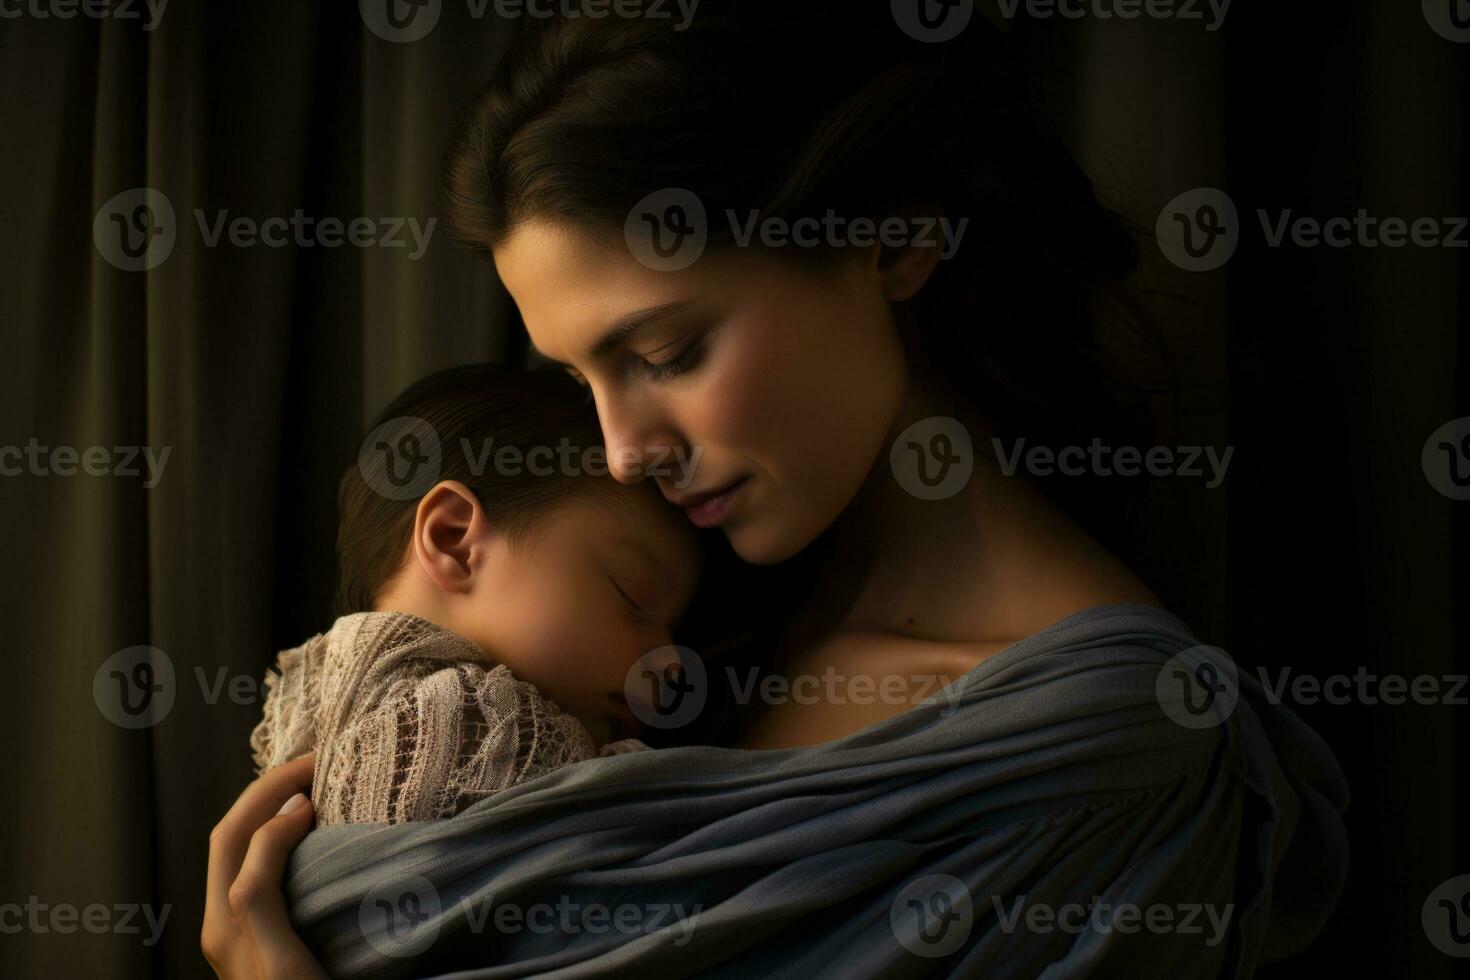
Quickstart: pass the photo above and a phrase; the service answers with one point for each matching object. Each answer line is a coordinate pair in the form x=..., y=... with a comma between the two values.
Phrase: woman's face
x=742, y=371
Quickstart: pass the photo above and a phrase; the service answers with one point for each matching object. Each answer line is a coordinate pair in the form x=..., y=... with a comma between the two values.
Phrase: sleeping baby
x=495, y=596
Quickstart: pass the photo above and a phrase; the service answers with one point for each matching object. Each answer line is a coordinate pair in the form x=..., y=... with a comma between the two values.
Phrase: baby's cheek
x=578, y=642
x=605, y=650
x=571, y=636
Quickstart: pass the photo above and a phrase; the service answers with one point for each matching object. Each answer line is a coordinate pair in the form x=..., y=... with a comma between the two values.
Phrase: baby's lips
x=622, y=711
x=622, y=720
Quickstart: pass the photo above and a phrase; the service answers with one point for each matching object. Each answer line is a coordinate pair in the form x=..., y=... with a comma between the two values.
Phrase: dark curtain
x=1326, y=549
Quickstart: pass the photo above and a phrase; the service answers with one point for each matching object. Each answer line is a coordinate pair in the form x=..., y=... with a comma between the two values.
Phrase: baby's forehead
x=642, y=519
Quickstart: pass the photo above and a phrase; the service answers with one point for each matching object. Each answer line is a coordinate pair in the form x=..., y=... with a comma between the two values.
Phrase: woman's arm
x=247, y=932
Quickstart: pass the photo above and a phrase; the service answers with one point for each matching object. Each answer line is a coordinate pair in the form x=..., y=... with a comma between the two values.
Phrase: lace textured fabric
x=409, y=722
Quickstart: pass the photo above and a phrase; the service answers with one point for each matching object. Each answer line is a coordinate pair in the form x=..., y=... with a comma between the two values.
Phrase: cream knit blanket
x=409, y=722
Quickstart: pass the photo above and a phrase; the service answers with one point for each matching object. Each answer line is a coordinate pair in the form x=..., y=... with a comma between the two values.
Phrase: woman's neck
x=888, y=539
x=993, y=561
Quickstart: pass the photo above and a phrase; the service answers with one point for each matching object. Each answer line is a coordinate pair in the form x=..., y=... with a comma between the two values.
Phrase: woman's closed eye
x=670, y=367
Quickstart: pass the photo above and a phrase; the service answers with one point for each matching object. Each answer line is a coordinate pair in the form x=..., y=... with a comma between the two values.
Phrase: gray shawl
x=1061, y=811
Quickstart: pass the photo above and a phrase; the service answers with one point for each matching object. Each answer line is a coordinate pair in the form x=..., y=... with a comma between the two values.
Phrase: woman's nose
x=637, y=440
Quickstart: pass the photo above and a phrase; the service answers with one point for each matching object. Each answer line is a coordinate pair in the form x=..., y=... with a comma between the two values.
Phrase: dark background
x=1326, y=550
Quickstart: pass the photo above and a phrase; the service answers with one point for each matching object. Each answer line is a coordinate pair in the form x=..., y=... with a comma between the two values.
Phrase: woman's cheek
x=754, y=390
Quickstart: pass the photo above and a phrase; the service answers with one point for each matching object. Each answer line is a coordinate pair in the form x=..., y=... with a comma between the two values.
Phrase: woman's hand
x=247, y=933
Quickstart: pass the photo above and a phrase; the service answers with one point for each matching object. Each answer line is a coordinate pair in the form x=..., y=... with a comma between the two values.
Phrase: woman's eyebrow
x=626, y=326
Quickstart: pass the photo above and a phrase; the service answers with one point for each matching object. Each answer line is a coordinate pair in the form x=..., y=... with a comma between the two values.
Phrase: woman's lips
x=710, y=511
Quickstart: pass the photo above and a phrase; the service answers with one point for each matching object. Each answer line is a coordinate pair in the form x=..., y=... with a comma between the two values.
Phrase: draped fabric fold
x=1047, y=814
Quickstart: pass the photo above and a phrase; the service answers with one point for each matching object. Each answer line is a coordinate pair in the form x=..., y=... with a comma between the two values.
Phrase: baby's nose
x=656, y=672
x=663, y=661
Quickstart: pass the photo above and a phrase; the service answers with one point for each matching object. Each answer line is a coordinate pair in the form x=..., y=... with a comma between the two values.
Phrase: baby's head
x=511, y=533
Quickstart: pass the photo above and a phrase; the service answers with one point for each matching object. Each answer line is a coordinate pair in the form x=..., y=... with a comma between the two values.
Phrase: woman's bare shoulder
x=854, y=678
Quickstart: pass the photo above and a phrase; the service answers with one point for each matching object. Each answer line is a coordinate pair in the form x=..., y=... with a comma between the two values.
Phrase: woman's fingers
x=256, y=899
x=230, y=839
x=261, y=800
x=221, y=937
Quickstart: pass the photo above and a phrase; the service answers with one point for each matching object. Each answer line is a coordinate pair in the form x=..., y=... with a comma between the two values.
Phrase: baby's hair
x=466, y=407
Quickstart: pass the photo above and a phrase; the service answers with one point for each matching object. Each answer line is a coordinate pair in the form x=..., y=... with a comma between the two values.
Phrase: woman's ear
x=905, y=268
x=450, y=532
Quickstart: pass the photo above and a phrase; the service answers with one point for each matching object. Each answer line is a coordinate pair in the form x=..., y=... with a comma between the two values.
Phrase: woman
x=828, y=387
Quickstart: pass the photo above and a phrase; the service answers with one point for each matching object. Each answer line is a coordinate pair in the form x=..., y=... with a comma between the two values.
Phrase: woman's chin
x=764, y=542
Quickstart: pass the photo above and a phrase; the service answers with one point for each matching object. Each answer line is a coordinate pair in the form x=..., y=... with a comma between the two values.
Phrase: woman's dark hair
x=472, y=413
x=807, y=108
x=830, y=107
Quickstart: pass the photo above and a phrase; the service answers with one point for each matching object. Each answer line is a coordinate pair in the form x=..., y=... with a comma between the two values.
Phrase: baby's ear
x=448, y=528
